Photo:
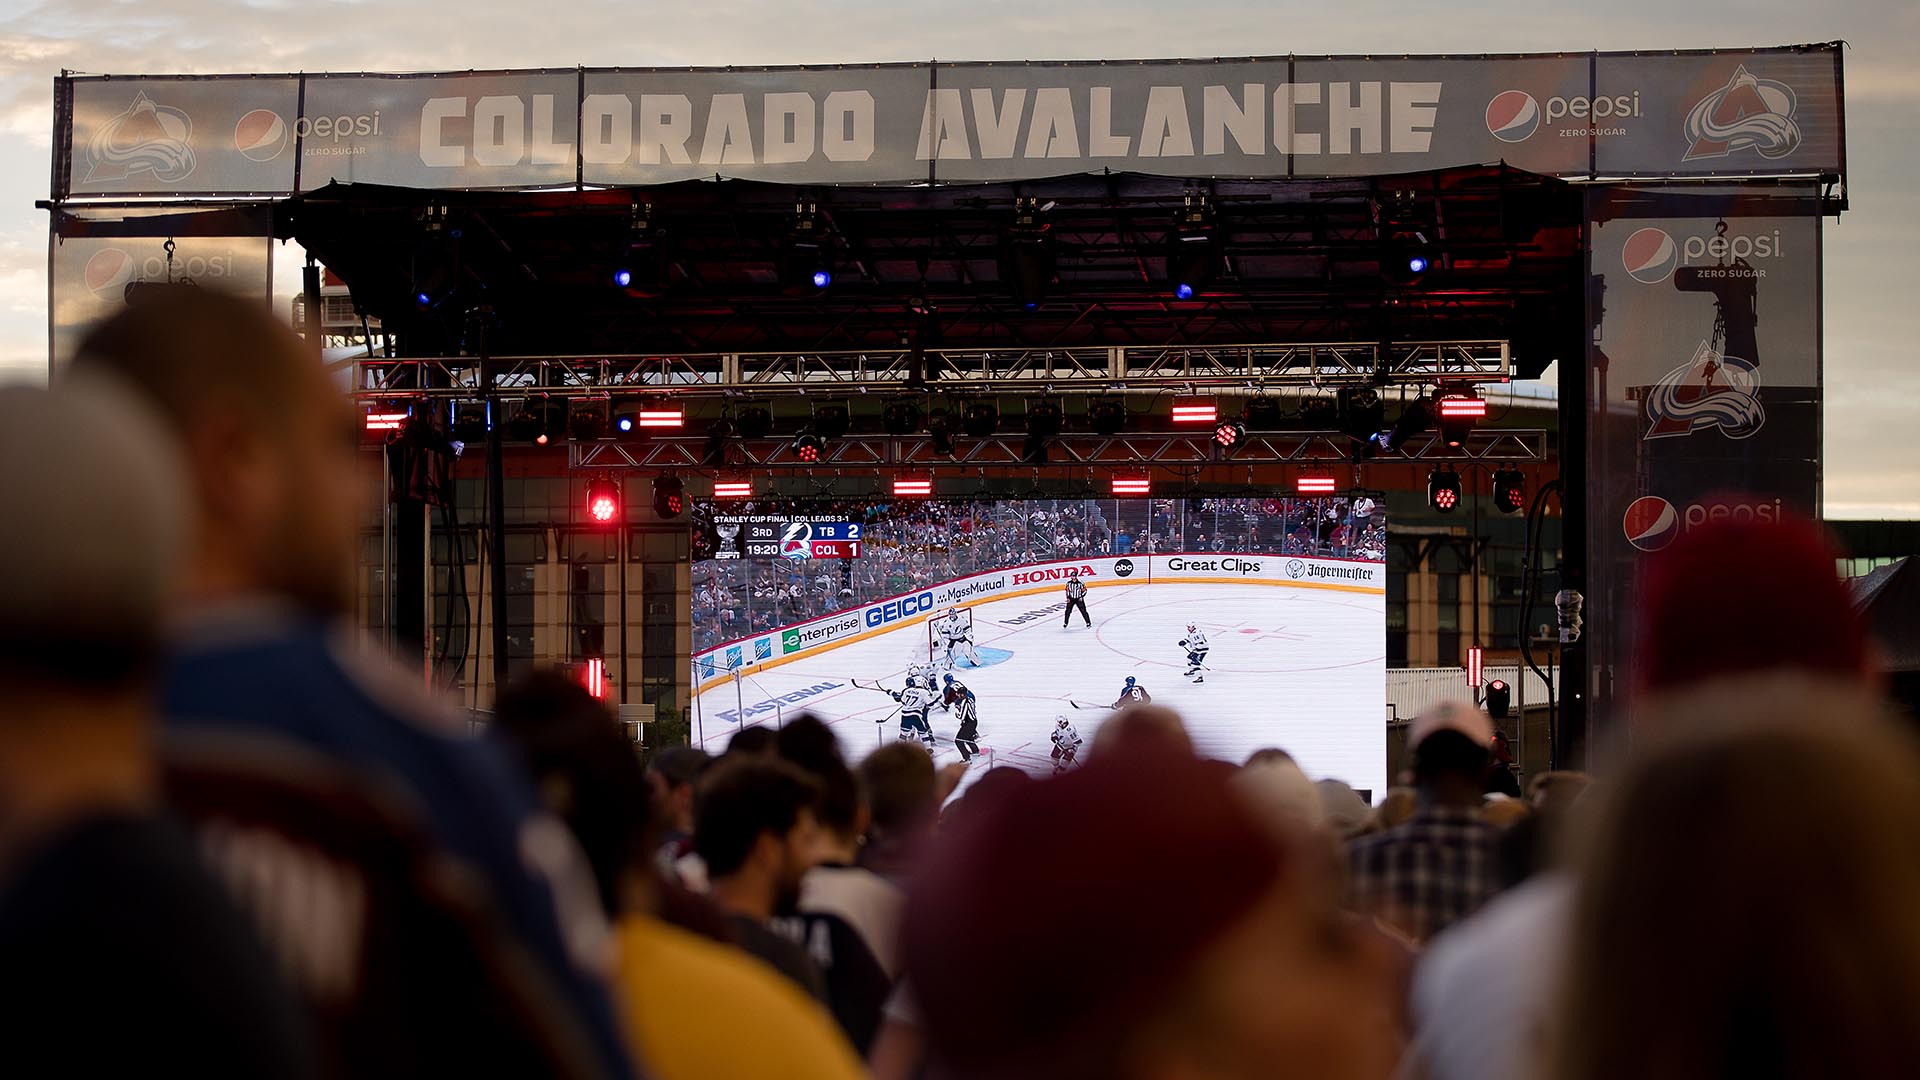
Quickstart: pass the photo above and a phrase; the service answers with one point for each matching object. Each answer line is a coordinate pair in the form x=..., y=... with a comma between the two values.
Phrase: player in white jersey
x=957, y=633
x=966, y=710
x=923, y=673
x=1132, y=694
x=914, y=701
x=1196, y=645
x=1066, y=743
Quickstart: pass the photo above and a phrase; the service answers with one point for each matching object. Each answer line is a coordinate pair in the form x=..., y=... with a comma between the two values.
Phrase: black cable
x=1529, y=572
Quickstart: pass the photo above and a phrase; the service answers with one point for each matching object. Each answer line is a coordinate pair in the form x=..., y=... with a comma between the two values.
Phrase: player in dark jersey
x=966, y=710
x=1132, y=694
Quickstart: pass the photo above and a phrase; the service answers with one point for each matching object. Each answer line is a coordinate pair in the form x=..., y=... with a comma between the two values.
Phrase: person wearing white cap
x=1442, y=864
x=121, y=954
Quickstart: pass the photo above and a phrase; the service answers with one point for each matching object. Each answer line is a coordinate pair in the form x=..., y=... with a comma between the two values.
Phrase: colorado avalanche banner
x=1771, y=111
x=1704, y=377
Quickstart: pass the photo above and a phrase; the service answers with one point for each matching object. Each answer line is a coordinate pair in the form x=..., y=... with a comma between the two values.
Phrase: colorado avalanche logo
x=797, y=543
x=146, y=138
x=1650, y=255
x=1749, y=113
x=1513, y=116
x=1707, y=391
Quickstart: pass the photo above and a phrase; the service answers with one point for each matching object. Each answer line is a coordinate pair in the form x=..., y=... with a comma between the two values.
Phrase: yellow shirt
x=695, y=1009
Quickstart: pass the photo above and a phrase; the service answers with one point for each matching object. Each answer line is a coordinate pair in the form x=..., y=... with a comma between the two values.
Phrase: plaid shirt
x=1428, y=872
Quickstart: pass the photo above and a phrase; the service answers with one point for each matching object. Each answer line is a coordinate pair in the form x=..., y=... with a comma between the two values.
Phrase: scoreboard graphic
x=783, y=536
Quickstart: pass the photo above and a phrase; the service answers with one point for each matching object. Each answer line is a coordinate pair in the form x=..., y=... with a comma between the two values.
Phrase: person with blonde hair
x=1748, y=902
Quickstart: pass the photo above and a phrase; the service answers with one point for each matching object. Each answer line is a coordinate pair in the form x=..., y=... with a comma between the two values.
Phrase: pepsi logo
x=108, y=272
x=1650, y=256
x=1650, y=523
x=1513, y=116
x=261, y=135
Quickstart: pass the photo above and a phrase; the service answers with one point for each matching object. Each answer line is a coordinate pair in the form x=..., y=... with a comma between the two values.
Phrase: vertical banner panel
x=508, y=130
x=1767, y=112
x=789, y=125
x=91, y=276
x=183, y=136
x=1705, y=396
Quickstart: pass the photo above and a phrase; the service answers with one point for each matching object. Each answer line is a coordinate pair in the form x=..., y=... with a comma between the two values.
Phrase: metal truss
x=916, y=452
x=1078, y=370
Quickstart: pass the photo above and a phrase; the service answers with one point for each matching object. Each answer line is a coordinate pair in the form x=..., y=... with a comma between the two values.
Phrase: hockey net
x=936, y=645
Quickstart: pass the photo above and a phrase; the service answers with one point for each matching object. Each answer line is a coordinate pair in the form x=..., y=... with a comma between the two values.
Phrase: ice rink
x=1296, y=667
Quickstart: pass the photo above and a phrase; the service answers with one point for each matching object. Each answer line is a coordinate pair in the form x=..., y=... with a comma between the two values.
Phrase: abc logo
x=1123, y=568
x=1513, y=116
x=1650, y=256
x=260, y=135
x=1651, y=523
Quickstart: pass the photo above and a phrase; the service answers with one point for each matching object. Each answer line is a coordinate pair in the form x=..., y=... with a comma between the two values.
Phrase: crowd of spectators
x=912, y=544
x=232, y=844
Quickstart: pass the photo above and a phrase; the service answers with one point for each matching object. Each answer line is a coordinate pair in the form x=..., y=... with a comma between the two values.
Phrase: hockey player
x=966, y=709
x=914, y=702
x=957, y=633
x=1132, y=694
x=1066, y=743
x=1196, y=645
x=1076, y=599
x=923, y=673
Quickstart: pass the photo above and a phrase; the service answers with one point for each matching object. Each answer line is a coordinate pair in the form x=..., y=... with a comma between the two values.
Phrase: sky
x=1872, y=317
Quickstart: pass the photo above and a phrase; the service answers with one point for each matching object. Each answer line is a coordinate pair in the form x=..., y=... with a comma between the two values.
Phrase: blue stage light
x=622, y=278
x=822, y=279
x=1183, y=290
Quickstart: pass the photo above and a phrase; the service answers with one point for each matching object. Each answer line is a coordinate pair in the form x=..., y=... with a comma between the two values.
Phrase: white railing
x=1410, y=690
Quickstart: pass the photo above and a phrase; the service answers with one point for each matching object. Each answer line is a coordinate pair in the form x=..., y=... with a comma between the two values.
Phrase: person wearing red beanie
x=1173, y=934
x=1740, y=597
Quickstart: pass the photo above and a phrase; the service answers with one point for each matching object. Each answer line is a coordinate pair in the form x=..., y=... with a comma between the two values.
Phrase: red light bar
x=596, y=678
x=1132, y=485
x=1474, y=657
x=1314, y=485
x=1195, y=411
x=732, y=489
x=913, y=487
x=1462, y=407
x=663, y=416
x=385, y=421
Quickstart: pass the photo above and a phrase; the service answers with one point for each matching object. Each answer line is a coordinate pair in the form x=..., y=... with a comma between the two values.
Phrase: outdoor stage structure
x=1069, y=231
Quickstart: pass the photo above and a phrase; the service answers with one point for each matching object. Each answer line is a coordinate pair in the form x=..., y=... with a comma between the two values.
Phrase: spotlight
x=808, y=448
x=1499, y=699
x=1416, y=264
x=669, y=497
x=830, y=420
x=1415, y=418
x=1183, y=291
x=1228, y=434
x=603, y=501
x=1443, y=489
x=1459, y=411
x=982, y=418
x=902, y=416
x=422, y=300
x=1509, y=491
x=587, y=420
x=1107, y=415
x=622, y=278
x=822, y=278
x=1262, y=413
x=755, y=422
x=626, y=423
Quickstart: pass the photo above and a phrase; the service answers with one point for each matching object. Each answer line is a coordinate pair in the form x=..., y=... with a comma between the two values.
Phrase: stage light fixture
x=1314, y=484
x=1415, y=418
x=982, y=418
x=940, y=431
x=803, y=254
x=732, y=489
x=902, y=416
x=1361, y=413
x=1193, y=248
x=755, y=422
x=587, y=419
x=1417, y=264
x=386, y=418
x=1132, y=485
x=669, y=497
x=1195, y=410
x=470, y=421
x=1319, y=413
x=720, y=438
x=830, y=420
x=1027, y=255
x=1443, y=489
x=603, y=501
x=822, y=278
x=1499, y=699
x=1043, y=417
x=1458, y=411
x=1107, y=415
x=1229, y=434
x=914, y=487
x=1509, y=491
x=808, y=447
x=622, y=277
x=1262, y=413
x=525, y=425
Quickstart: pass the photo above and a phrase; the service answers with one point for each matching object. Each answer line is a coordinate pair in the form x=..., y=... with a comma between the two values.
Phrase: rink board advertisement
x=1292, y=610
x=1705, y=399
x=1712, y=113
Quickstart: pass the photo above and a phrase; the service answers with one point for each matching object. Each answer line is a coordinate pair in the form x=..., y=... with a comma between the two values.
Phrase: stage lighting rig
x=1458, y=412
x=1107, y=415
x=1415, y=418
x=1027, y=254
x=603, y=501
x=720, y=436
x=1193, y=248
x=1043, y=423
x=1262, y=413
x=1229, y=434
x=755, y=422
x=1509, y=491
x=940, y=431
x=804, y=264
x=669, y=497
x=643, y=267
x=809, y=448
x=982, y=418
x=1443, y=489
x=902, y=416
x=587, y=419
x=830, y=420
